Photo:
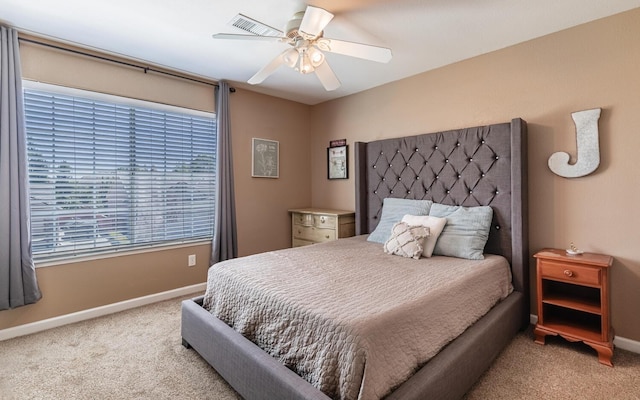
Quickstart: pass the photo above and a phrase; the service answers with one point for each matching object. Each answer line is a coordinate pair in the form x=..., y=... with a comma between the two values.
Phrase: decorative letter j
x=588, y=148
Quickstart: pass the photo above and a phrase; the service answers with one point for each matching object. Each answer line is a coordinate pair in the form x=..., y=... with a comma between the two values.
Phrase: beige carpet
x=137, y=354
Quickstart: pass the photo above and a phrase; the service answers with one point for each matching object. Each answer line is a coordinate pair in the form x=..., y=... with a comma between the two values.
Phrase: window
x=108, y=173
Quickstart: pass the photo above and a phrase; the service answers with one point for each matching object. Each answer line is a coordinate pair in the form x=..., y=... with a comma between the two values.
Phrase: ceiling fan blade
x=364, y=51
x=327, y=77
x=268, y=69
x=314, y=21
x=247, y=37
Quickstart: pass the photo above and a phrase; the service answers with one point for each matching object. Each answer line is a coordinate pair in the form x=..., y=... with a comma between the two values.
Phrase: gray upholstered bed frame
x=474, y=166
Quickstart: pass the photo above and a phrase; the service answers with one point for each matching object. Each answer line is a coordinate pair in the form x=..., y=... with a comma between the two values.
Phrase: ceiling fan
x=304, y=33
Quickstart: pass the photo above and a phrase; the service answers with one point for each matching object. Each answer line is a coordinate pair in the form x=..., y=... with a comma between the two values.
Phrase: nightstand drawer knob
x=568, y=273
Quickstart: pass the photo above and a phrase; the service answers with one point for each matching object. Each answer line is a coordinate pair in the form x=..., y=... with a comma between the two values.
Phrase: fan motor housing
x=291, y=30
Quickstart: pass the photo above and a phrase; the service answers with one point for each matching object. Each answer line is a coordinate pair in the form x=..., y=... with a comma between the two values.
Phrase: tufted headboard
x=485, y=165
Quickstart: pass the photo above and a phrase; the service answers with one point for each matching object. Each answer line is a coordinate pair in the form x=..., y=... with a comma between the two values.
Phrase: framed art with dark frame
x=265, y=158
x=338, y=162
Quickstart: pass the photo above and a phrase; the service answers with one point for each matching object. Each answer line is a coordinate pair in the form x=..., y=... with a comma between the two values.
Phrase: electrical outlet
x=192, y=260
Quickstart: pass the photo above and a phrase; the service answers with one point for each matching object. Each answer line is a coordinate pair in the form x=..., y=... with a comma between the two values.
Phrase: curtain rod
x=103, y=58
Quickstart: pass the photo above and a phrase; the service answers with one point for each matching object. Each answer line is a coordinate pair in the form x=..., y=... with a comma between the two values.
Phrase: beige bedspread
x=351, y=320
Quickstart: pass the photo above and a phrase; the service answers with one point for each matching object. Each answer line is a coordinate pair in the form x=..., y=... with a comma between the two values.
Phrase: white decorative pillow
x=435, y=225
x=406, y=241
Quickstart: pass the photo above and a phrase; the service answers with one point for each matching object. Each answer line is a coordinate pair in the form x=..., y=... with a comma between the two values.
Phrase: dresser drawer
x=300, y=242
x=303, y=219
x=313, y=234
x=324, y=221
x=319, y=221
x=570, y=273
x=315, y=225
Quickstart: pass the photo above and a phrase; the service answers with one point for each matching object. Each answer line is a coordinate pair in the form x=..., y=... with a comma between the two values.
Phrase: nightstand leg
x=541, y=334
x=605, y=353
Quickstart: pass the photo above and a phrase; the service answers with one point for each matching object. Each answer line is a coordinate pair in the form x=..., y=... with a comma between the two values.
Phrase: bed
x=480, y=166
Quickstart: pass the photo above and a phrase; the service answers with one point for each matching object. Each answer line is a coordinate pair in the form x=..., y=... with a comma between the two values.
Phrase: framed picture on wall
x=265, y=158
x=338, y=162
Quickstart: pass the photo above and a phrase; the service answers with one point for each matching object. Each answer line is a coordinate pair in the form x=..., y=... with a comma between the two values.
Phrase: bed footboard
x=249, y=370
x=256, y=375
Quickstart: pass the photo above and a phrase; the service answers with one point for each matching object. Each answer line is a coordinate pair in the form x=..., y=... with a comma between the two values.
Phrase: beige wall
x=262, y=204
x=49, y=65
x=542, y=81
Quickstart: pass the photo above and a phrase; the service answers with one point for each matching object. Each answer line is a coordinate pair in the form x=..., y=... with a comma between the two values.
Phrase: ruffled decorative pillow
x=406, y=240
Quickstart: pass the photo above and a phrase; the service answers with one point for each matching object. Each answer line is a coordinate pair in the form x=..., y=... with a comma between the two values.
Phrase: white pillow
x=435, y=225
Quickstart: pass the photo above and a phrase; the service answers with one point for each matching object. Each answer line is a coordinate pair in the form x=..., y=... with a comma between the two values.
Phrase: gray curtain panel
x=225, y=242
x=18, y=285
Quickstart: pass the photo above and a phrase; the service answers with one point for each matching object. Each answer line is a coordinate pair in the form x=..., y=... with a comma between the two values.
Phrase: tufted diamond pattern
x=468, y=167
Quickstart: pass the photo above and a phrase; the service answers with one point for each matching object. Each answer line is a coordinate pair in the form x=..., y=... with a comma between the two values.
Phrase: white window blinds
x=108, y=175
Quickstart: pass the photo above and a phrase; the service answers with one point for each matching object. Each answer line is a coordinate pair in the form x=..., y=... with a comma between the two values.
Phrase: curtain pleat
x=225, y=242
x=18, y=284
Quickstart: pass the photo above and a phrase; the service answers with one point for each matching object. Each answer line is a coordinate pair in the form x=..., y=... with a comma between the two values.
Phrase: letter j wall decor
x=587, y=146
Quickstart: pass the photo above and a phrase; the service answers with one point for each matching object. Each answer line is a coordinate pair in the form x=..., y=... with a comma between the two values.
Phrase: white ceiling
x=423, y=34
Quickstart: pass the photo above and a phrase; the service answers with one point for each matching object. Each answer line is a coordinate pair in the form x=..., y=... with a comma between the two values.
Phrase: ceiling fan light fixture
x=316, y=56
x=305, y=66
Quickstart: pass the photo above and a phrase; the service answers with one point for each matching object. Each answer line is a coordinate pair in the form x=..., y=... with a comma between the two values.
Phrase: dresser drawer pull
x=568, y=273
x=322, y=219
x=327, y=236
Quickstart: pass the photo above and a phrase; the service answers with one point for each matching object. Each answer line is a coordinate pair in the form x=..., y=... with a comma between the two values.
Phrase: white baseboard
x=627, y=344
x=83, y=315
x=619, y=342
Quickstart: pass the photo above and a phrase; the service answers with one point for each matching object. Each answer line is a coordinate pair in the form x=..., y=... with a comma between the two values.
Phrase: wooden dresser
x=573, y=299
x=315, y=225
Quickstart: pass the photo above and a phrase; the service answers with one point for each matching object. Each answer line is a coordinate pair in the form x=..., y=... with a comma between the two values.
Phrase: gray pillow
x=393, y=210
x=466, y=231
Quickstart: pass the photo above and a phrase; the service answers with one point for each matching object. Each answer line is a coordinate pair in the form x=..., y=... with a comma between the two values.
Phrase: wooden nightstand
x=573, y=299
x=313, y=225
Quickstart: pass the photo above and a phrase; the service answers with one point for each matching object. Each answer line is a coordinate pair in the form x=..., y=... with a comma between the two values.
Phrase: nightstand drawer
x=313, y=234
x=570, y=273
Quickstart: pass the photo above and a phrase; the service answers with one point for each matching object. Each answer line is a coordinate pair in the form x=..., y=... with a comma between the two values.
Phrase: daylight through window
x=110, y=173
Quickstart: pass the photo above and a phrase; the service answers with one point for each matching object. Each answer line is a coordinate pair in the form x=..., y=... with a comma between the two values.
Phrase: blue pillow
x=393, y=209
x=466, y=231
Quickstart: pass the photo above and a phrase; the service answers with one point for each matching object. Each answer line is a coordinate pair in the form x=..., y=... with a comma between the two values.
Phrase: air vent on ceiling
x=252, y=26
